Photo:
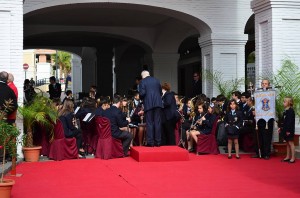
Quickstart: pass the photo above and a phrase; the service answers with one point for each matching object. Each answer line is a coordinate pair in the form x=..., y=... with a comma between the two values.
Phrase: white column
x=277, y=34
x=76, y=74
x=224, y=53
x=89, y=63
x=165, y=68
x=277, y=37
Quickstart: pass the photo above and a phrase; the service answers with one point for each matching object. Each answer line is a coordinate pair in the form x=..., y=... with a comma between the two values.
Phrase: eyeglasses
x=195, y=76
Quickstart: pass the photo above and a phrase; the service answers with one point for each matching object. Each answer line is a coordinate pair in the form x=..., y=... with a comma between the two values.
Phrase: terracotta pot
x=279, y=148
x=32, y=154
x=5, y=188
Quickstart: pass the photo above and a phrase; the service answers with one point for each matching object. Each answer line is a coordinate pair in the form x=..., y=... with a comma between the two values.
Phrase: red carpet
x=201, y=176
x=159, y=154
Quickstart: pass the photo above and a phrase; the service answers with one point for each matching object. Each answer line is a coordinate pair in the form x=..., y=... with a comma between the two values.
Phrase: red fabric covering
x=159, y=154
x=107, y=146
x=89, y=135
x=62, y=148
x=212, y=176
x=41, y=138
x=208, y=143
x=247, y=142
x=177, y=131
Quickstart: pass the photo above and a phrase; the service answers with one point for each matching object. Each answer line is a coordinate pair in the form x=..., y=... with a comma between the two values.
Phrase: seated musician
x=103, y=105
x=188, y=113
x=71, y=129
x=88, y=105
x=134, y=108
x=203, y=124
x=117, y=121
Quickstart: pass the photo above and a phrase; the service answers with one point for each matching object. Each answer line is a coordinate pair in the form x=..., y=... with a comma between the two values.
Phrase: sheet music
x=88, y=117
x=76, y=110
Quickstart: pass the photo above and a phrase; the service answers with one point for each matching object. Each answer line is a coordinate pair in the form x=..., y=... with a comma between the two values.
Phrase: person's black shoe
x=267, y=157
x=285, y=160
x=255, y=156
x=191, y=150
x=157, y=145
x=291, y=162
x=229, y=157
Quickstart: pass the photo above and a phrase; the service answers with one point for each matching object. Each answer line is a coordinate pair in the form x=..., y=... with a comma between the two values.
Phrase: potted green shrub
x=225, y=87
x=39, y=112
x=288, y=81
x=8, y=135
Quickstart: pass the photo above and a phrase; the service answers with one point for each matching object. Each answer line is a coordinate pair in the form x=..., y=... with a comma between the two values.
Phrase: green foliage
x=225, y=87
x=288, y=77
x=8, y=135
x=63, y=61
x=39, y=111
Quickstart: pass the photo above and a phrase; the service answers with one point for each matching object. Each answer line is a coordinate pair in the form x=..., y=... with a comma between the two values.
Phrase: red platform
x=159, y=154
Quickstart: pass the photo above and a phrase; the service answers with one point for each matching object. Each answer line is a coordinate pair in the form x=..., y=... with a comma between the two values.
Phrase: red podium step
x=159, y=154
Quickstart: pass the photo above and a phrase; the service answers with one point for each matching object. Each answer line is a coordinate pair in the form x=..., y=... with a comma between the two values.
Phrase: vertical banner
x=265, y=105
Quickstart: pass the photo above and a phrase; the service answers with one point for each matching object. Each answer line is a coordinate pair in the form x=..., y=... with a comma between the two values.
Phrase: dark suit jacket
x=288, y=121
x=169, y=104
x=7, y=93
x=67, y=122
x=54, y=90
x=197, y=88
x=234, y=121
x=207, y=124
x=99, y=111
x=150, y=93
x=117, y=120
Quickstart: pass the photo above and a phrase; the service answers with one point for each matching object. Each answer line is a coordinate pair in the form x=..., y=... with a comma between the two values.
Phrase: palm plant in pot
x=8, y=135
x=39, y=112
x=288, y=79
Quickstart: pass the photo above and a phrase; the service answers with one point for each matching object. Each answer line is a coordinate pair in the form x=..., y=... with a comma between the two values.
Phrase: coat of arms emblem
x=265, y=104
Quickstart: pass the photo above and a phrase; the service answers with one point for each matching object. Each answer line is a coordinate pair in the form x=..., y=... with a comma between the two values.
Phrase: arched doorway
x=106, y=28
x=189, y=62
x=250, y=50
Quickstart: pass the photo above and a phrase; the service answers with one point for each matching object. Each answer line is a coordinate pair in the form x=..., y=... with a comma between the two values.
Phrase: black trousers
x=168, y=132
x=265, y=135
x=153, y=126
x=78, y=136
x=126, y=138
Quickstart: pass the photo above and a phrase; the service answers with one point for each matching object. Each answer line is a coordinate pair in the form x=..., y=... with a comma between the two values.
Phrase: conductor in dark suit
x=54, y=88
x=150, y=93
x=118, y=123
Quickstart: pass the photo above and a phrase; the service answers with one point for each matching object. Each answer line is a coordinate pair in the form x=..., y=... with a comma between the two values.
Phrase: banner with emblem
x=265, y=105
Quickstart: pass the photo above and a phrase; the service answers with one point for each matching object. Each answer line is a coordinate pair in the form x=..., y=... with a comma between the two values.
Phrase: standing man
x=7, y=94
x=10, y=82
x=54, y=88
x=150, y=93
x=197, y=86
x=118, y=122
x=265, y=131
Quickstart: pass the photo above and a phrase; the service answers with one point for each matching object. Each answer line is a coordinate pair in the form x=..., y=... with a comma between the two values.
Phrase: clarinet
x=199, y=120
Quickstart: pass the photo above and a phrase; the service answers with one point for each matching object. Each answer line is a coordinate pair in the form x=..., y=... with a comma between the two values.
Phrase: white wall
x=11, y=45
